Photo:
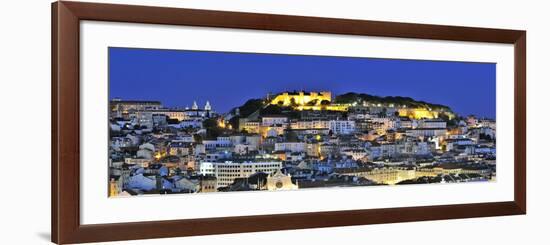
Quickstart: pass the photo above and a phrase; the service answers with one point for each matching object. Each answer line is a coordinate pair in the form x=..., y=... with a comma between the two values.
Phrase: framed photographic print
x=177, y=122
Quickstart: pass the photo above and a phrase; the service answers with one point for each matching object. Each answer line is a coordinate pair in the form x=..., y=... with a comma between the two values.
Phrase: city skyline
x=177, y=78
x=321, y=126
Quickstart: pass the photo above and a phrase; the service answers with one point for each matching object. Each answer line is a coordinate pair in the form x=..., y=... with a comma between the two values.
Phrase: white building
x=342, y=126
x=206, y=168
x=309, y=124
x=432, y=123
x=385, y=151
x=144, y=118
x=407, y=123
x=226, y=172
x=224, y=141
x=291, y=146
x=253, y=140
x=191, y=123
x=244, y=148
x=426, y=132
x=355, y=154
x=274, y=120
x=171, y=113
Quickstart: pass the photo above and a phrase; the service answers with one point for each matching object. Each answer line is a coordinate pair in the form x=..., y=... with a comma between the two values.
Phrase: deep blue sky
x=176, y=78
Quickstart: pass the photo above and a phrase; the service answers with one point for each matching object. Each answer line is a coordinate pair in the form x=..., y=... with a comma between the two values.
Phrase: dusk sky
x=227, y=80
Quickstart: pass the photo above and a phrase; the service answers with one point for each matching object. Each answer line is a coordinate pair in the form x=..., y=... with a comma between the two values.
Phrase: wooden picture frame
x=65, y=181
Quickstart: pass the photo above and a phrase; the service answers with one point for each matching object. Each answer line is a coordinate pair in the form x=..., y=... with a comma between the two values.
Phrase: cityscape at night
x=200, y=121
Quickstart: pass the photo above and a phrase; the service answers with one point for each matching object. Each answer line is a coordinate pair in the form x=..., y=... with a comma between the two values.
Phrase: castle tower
x=207, y=107
x=195, y=106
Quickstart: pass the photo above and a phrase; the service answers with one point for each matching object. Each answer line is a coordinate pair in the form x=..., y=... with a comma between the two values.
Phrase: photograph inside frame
x=185, y=121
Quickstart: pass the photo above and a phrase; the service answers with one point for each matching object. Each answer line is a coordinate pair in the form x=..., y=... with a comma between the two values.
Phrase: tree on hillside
x=212, y=128
x=250, y=107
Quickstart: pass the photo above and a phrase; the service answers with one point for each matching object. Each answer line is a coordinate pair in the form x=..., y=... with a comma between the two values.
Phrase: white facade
x=342, y=126
x=253, y=140
x=313, y=124
x=291, y=146
x=355, y=154
x=426, y=132
x=268, y=121
x=144, y=118
x=432, y=123
x=206, y=168
x=244, y=148
x=227, y=172
x=191, y=123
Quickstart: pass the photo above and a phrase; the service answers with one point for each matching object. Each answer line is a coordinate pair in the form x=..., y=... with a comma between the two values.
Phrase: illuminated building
x=207, y=183
x=274, y=120
x=334, y=107
x=309, y=124
x=279, y=181
x=179, y=148
x=432, y=123
x=123, y=108
x=406, y=122
x=141, y=162
x=313, y=149
x=172, y=114
x=291, y=146
x=421, y=113
x=272, y=131
x=355, y=154
x=146, y=117
x=342, y=126
x=196, y=112
x=301, y=98
x=390, y=176
x=316, y=132
x=206, y=168
x=191, y=123
x=314, y=101
x=385, y=123
x=273, y=125
x=243, y=149
x=227, y=171
x=252, y=127
x=218, y=143
x=426, y=132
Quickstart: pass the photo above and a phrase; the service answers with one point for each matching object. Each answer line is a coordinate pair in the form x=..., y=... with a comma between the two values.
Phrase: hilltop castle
x=301, y=98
